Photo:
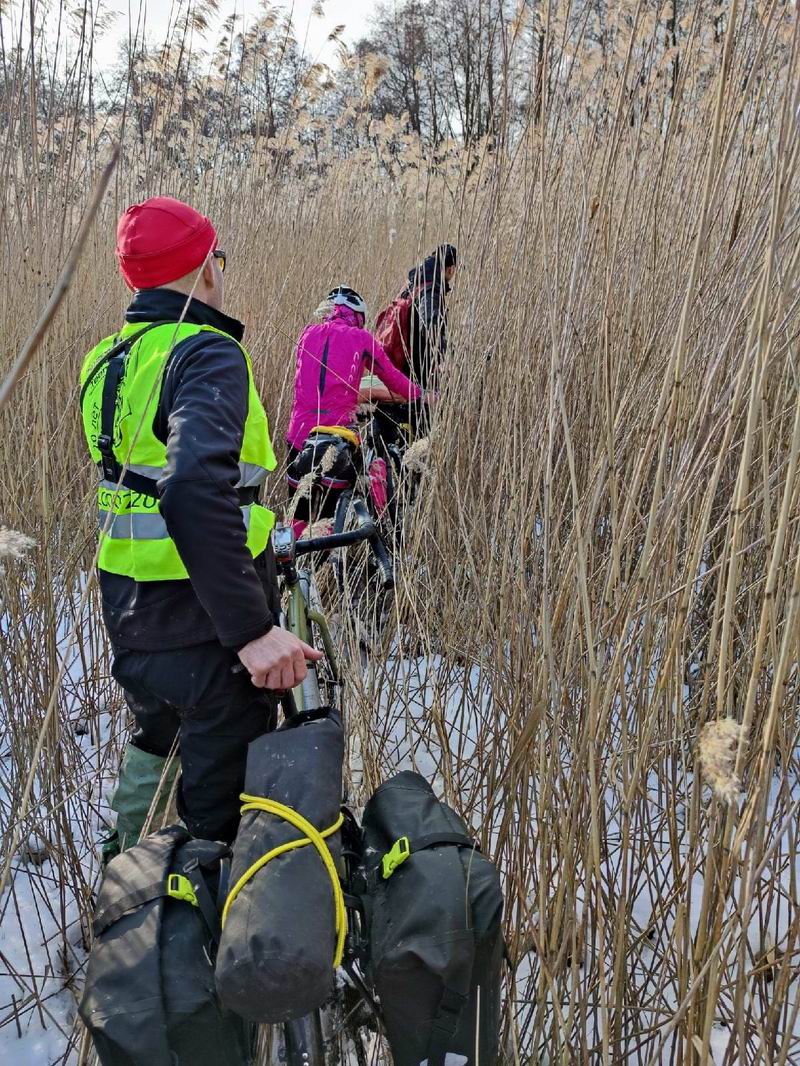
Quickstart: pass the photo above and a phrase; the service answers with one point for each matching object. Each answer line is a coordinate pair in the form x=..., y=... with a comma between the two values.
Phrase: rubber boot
x=139, y=779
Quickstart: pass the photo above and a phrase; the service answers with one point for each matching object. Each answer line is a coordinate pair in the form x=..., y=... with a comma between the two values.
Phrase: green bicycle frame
x=299, y=618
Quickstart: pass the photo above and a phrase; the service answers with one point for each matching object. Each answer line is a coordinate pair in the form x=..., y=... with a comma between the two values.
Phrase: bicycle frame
x=299, y=619
x=304, y=1037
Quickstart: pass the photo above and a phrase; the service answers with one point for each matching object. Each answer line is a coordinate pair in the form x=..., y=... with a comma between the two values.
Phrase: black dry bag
x=434, y=907
x=149, y=997
x=284, y=921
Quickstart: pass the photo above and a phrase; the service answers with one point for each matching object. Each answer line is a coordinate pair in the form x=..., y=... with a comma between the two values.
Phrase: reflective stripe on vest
x=251, y=476
x=144, y=526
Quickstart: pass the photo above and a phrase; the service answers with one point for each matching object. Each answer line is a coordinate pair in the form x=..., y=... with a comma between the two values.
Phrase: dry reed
x=605, y=556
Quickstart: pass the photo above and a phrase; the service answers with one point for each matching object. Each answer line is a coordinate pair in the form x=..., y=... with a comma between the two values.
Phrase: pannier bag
x=284, y=922
x=329, y=456
x=434, y=907
x=149, y=997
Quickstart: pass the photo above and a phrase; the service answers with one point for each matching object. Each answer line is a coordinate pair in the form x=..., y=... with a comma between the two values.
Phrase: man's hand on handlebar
x=278, y=659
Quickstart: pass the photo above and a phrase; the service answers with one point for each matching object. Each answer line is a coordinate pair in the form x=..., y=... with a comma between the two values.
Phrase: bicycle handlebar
x=366, y=530
x=335, y=540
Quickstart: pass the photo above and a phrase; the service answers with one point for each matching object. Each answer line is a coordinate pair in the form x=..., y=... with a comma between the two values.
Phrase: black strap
x=445, y=1024
x=223, y=884
x=115, y=911
x=148, y=487
x=301, y=718
x=105, y=439
x=114, y=362
x=430, y=840
x=205, y=903
x=158, y=890
x=248, y=496
x=433, y=840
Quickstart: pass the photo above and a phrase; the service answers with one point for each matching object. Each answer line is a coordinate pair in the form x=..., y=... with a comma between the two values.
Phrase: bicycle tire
x=307, y=693
x=355, y=575
x=335, y=1034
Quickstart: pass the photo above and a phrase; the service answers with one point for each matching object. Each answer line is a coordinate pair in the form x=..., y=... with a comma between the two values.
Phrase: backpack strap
x=200, y=898
x=404, y=848
x=433, y=840
x=106, y=918
x=106, y=357
x=188, y=886
x=114, y=361
x=193, y=870
x=414, y=290
x=224, y=882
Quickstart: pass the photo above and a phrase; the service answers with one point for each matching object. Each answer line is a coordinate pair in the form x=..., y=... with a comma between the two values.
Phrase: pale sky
x=311, y=32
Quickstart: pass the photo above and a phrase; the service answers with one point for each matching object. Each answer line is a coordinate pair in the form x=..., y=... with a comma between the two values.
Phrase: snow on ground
x=431, y=718
x=42, y=945
x=43, y=910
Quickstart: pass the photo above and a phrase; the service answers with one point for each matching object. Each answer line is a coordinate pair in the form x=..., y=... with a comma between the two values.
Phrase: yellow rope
x=349, y=435
x=312, y=836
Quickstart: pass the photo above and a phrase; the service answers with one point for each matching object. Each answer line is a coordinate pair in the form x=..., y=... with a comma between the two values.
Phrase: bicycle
x=331, y=478
x=388, y=432
x=389, y=490
x=345, y=1025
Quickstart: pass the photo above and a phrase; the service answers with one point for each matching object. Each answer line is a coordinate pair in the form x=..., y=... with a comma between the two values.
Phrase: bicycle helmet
x=344, y=295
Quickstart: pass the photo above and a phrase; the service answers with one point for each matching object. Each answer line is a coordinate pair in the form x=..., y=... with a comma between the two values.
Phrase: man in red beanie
x=175, y=425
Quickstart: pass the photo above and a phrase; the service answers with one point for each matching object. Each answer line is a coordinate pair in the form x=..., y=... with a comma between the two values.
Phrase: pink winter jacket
x=332, y=357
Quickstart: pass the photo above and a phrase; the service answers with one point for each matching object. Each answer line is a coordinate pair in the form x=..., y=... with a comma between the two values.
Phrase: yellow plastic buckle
x=180, y=887
x=401, y=850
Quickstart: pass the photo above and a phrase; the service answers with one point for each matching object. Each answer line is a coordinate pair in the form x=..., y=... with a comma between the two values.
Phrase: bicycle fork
x=304, y=1042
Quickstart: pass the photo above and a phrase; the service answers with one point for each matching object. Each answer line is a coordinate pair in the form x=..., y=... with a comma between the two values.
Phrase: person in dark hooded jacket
x=432, y=280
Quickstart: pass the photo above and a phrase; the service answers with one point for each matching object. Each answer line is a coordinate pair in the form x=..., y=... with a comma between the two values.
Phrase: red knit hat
x=161, y=240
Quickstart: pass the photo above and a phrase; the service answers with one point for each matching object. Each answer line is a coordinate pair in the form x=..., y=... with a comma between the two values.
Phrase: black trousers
x=192, y=694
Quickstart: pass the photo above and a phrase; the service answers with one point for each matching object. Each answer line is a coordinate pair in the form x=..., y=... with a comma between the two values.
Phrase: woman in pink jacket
x=332, y=357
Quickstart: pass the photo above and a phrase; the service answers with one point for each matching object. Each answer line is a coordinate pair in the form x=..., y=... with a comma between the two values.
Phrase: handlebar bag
x=284, y=924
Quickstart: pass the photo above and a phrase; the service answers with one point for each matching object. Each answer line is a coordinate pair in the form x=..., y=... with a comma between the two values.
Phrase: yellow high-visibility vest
x=134, y=537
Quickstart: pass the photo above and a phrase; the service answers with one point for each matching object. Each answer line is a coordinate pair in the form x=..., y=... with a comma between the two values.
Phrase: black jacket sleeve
x=202, y=412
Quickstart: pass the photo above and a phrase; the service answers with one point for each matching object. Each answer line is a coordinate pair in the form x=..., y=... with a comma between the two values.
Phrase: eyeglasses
x=221, y=258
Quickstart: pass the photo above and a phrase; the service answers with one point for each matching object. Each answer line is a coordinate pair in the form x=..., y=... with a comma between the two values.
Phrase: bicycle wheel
x=346, y=1030
x=341, y=518
x=322, y=637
